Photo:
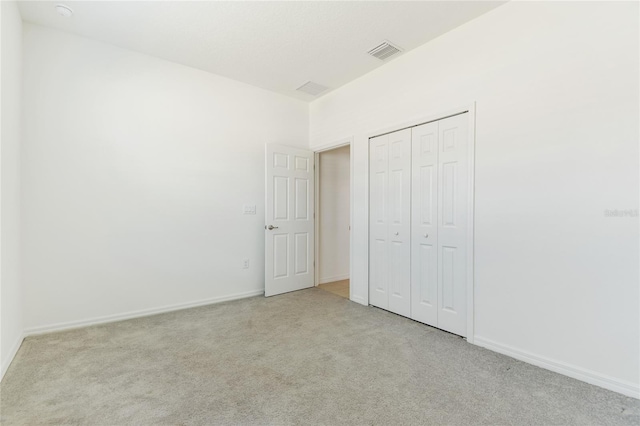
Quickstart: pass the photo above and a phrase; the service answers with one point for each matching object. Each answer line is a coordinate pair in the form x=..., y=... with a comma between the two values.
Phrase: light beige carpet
x=302, y=358
x=341, y=288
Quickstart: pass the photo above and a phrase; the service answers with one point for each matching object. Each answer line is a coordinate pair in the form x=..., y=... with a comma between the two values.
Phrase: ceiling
x=274, y=45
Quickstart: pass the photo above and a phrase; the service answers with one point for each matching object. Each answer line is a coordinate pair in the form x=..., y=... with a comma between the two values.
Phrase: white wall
x=556, y=91
x=135, y=173
x=10, y=111
x=333, y=215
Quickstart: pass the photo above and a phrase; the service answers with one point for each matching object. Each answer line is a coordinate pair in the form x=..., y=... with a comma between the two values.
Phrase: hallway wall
x=334, y=215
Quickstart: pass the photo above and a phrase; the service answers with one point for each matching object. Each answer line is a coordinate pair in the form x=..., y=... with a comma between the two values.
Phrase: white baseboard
x=359, y=299
x=12, y=354
x=333, y=279
x=592, y=377
x=136, y=314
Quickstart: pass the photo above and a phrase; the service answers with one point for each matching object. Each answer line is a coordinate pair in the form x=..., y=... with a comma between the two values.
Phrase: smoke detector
x=384, y=50
x=64, y=10
x=312, y=88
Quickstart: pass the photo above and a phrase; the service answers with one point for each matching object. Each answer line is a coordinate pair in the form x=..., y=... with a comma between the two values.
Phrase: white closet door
x=419, y=186
x=390, y=222
x=378, y=222
x=400, y=222
x=424, y=223
x=453, y=187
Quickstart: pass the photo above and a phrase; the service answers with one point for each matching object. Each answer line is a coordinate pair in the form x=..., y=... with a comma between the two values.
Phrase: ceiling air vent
x=384, y=50
x=312, y=88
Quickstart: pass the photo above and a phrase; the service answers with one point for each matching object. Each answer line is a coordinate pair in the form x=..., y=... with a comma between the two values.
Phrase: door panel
x=302, y=199
x=280, y=255
x=390, y=222
x=289, y=209
x=280, y=198
x=378, y=226
x=453, y=165
x=428, y=289
x=448, y=192
x=449, y=264
x=424, y=226
x=400, y=225
x=301, y=253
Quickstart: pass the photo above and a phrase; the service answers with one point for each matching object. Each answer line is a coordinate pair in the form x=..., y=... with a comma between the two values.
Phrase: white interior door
x=424, y=223
x=390, y=222
x=453, y=211
x=289, y=226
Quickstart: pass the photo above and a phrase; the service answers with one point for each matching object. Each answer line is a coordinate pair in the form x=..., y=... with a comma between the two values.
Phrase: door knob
x=271, y=227
x=397, y=233
x=426, y=235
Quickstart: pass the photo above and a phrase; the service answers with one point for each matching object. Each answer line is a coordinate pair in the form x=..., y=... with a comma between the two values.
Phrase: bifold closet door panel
x=424, y=223
x=400, y=222
x=378, y=222
x=453, y=188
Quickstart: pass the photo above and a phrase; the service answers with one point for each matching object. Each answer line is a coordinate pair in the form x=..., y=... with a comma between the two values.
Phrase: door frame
x=469, y=108
x=317, y=151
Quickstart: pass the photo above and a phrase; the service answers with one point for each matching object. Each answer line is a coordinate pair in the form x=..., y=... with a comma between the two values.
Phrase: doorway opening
x=333, y=217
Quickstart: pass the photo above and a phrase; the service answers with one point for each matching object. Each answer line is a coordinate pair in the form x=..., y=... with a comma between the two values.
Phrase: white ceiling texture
x=273, y=45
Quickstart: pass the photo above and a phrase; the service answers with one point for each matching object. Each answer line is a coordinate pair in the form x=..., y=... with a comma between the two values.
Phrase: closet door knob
x=397, y=233
x=426, y=235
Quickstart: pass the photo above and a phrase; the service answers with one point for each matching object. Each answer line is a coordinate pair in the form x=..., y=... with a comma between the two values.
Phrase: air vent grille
x=384, y=50
x=312, y=88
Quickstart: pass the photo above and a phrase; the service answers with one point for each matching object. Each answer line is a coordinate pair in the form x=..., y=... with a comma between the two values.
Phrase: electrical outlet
x=245, y=264
x=249, y=209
